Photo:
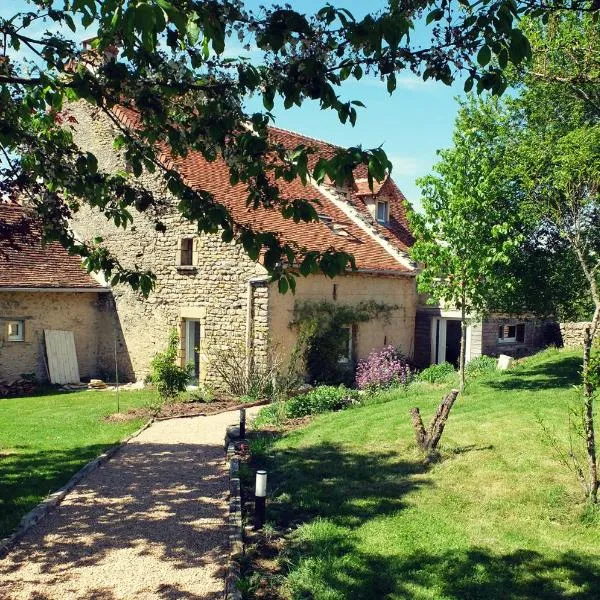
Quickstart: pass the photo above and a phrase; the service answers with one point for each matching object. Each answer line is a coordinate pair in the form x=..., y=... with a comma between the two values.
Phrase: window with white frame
x=346, y=346
x=15, y=331
x=383, y=210
x=511, y=334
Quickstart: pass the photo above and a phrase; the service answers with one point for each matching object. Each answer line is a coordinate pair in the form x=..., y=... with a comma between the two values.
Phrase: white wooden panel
x=62, y=357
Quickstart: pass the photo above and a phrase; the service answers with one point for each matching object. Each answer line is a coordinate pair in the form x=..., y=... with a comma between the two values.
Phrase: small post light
x=260, y=499
x=242, y=423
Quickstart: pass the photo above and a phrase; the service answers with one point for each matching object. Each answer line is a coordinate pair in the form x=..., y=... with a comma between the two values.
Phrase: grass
x=45, y=439
x=497, y=518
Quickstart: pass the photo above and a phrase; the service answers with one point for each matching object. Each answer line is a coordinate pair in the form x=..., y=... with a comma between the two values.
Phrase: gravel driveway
x=148, y=524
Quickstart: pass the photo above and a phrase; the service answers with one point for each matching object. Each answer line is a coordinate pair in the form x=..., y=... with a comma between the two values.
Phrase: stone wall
x=215, y=290
x=79, y=312
x=571, y=333
x=351, y=289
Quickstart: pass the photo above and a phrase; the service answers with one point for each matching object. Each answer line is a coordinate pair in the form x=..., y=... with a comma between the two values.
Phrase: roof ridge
x=348, y=210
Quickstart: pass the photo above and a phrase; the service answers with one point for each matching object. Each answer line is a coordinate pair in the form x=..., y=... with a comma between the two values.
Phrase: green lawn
x=44, y=440
x=497, y=518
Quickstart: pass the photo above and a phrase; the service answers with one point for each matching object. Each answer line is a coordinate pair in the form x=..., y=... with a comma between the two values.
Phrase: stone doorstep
x=53, y=500
x=236, y=540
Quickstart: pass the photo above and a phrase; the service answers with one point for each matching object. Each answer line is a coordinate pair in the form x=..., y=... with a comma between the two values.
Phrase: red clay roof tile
x=25, y=263
x=213, y=177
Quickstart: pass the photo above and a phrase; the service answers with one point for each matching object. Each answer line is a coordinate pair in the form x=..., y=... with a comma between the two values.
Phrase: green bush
x=319, y=400
x=436, y=373
x=169, y=378
x=270, y=415
x=482, y=365
x=322, y=399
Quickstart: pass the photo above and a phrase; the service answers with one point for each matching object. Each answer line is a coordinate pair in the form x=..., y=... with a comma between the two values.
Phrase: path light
x=260, y=499
x=242, y=423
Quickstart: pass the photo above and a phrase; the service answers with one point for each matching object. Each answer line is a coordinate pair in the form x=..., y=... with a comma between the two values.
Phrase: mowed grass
x=497, y=518
x=45, y=439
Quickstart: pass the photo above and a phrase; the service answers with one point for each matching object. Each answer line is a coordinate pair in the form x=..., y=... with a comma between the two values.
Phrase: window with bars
x=15, y=331
x=510, y=334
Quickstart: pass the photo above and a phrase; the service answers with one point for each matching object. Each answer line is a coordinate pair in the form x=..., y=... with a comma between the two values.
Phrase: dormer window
x=383, y=211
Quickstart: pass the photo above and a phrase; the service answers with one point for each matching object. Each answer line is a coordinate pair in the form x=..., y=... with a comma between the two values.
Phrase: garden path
x=151, y=523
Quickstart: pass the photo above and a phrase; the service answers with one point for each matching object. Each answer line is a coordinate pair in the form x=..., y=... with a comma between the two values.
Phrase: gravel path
x=148, y=524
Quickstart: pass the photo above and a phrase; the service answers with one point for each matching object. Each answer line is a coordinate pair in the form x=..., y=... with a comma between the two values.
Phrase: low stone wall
x=572, y=333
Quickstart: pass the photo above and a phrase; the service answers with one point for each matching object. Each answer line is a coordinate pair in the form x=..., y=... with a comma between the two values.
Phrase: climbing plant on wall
x=322, y=339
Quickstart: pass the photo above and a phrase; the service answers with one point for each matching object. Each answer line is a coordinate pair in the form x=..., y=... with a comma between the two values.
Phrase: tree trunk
x=588, y=414
x=428, y=440
x=463, y=354
x=463, y=343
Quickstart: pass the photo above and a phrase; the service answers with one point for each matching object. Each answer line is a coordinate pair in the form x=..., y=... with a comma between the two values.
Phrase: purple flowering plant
x=381, y=369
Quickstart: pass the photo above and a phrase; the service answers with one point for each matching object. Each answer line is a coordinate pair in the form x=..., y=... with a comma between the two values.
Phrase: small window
x=382, y=211
x=16, y=331
x=186, y=256
x=346, y=348
x=508, y=334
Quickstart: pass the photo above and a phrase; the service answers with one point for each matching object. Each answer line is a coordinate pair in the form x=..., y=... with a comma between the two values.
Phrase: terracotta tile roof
x=369, y=253
x=25, y=263
x=363, y=189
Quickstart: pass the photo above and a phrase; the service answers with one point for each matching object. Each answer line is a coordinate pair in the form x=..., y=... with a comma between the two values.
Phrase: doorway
x=452, y=341
x=445, y=341
x=191, y=341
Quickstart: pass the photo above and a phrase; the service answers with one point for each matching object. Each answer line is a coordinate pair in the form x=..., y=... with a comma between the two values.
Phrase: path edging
x=34, y=516
x=235, y=534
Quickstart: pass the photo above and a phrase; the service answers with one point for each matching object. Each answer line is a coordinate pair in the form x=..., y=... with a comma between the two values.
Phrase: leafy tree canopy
x=168, y=59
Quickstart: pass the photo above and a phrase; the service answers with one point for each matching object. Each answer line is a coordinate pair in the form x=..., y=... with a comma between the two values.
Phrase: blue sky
x=412, y=124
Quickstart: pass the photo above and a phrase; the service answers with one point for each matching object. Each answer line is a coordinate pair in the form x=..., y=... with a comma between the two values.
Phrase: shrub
x=382, y=369
x=322, y=399
x=482, y=365
x=436, y=373
x=169, y=378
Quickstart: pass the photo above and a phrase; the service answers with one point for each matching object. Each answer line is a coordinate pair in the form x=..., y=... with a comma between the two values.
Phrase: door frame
x=438, y=339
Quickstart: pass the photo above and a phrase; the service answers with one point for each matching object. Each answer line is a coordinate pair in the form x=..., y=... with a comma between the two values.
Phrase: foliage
x=381, y=369
x=271, y=415
x=250, y=381
x=319, y=339
x=481, y=365
x=167, y=376
x=470, y=224
x=167, y=58
x=439, y=373
x=321, y=399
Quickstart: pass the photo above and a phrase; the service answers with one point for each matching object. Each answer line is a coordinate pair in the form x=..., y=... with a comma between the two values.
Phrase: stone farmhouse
x=212, y=293
x=216, y=296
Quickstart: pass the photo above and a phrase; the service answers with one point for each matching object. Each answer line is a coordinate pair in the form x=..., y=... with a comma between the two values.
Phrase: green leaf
x=484, y=55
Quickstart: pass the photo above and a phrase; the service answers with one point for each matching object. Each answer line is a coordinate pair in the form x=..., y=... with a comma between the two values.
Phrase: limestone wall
x=79, y=312
x=215, y=290
x=571, y=333
x=352, y=289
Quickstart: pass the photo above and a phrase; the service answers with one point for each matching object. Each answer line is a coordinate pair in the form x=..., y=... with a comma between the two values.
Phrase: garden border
x=235, y=533
x=34, y=516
